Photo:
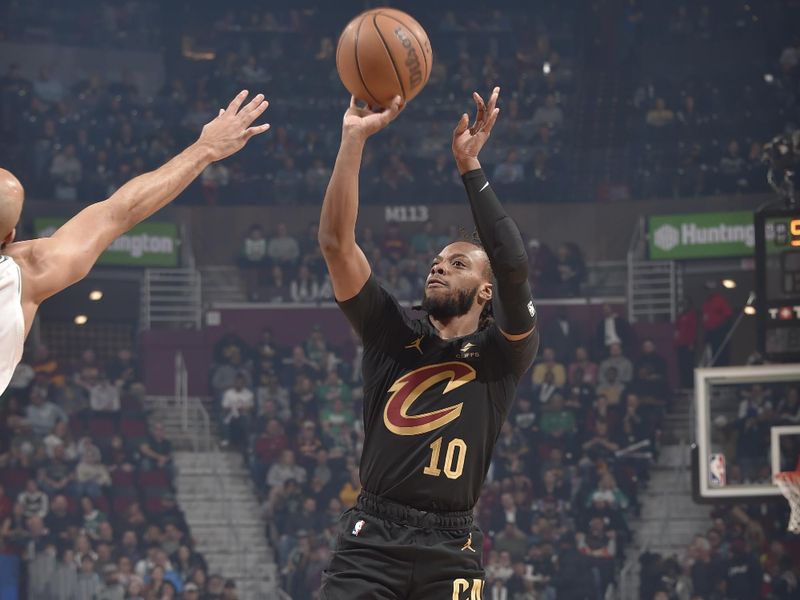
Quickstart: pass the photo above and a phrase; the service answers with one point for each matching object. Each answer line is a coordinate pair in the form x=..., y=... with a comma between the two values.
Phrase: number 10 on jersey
x=453, y=461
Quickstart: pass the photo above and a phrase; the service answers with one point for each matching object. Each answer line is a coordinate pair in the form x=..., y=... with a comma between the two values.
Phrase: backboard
x=747, y=429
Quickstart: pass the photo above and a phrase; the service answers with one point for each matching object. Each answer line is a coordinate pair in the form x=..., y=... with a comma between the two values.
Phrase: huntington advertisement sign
x=701, y=235
x=149, y=244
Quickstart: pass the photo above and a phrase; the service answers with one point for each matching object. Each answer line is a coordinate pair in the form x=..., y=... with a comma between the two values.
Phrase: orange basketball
x=384, y=53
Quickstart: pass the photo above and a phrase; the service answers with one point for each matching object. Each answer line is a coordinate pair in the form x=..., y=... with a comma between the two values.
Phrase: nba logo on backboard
x=716, y=470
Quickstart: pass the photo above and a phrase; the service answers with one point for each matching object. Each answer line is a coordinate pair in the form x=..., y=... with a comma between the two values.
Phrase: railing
x=171, y=297
x=653, y=286
x=196, y=420
x=629, y=577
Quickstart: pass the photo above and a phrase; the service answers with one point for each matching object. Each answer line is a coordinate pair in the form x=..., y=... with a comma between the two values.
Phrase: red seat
x=133, y=428
x=154, y=506
x=121, y=504
x=120, y=478
x=101, y=504
x=101, y=427
x=157, y=478
x=130, y=404
x=14, y=479
x=76, y=425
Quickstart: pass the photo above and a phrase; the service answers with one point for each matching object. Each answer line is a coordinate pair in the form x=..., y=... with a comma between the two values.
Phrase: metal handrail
x=195, y=417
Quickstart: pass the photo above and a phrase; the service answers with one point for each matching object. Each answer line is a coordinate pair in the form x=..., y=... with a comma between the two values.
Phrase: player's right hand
x=230, y=131
x=361, y=122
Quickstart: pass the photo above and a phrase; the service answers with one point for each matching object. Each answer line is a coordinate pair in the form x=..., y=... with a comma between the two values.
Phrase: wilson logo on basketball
x=408, y=388
x=412, y=60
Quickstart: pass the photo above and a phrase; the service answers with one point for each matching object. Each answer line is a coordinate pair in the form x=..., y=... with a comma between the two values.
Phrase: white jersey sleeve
x=12, y=322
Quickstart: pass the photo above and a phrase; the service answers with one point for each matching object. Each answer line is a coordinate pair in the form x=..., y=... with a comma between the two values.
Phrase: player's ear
x=485, y=292
x=10, y=237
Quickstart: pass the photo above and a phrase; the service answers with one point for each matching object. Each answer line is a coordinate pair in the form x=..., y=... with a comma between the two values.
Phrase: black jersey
x=433, y=408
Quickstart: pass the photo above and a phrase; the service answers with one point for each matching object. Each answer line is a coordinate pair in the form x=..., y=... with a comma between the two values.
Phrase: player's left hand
x=233, y=126
x=469, y=140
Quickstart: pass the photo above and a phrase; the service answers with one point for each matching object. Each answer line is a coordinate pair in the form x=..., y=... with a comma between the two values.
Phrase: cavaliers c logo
x=410, y=386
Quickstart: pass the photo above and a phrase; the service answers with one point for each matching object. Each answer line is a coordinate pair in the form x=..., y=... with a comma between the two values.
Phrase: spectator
x=123, y=370
x=92, y=518
x=621, y=363
x=104, y=395
x=561, y=335
x=582, y=371
x=304, y=288
x=600, y=446
x=317, y=177
x=571, y=270
x=110, y=588
x=237, y=407
x=283, y=249
x=510, y=171
x=743, y=573
x=610, y=386
x=214, y=179
x=285, y=470
x=601, y=548
x=397, y=285
x=558, y=423
x=41, y=414
x=685, y=338
x=288, y=181
x=88, y=581
x=34, y=502
x=549, y=115
x=57, y=476
x=717, y=313
x=91, y=475
x=252, y=257
x=66, y=171
x=731, y=168
x=650, y=380
x=156, y=450
x=64, y=581
x=277, y=288
x=660, y=116
x=549, y=365
x=613, y=329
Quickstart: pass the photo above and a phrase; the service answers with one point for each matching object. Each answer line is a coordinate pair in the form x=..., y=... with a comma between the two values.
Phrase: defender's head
x=459, y=282
x=11, y=198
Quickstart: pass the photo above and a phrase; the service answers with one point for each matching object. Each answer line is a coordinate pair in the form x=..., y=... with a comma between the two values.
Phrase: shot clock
x=778, y=282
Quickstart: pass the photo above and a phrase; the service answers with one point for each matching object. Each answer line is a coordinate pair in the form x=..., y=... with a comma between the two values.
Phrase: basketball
x=383, y=53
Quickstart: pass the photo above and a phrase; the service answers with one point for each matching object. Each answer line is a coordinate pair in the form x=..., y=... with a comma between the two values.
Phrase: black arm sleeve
x=512, y=302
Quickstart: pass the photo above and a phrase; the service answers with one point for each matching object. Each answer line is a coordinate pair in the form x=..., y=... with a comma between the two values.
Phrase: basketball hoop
x=789, y=483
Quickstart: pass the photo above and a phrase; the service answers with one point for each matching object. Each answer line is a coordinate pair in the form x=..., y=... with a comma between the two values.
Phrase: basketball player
x=32, y=271
x=437, y=389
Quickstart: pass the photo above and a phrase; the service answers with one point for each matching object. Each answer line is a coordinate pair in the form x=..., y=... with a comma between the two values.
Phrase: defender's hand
x=230, y=131
x=361, y=122
x=468, y=141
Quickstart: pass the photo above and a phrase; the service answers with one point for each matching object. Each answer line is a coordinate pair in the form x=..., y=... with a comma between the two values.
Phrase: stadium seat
x=157, y=478
x=133, y=429
x=120, y=504
x=101, y=427
x=120, y=479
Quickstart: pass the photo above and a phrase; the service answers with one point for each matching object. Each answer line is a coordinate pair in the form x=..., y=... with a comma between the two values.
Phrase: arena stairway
x=669, y=517
x=214, y=491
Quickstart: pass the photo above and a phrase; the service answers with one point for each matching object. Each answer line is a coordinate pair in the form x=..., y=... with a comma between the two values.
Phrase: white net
x=789, y=483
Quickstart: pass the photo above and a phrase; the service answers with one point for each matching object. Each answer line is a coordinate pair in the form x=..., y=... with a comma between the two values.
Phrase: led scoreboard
x=778, y=283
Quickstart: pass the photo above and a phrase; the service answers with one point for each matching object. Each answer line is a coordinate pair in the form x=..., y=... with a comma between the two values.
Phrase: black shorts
x=389, y=551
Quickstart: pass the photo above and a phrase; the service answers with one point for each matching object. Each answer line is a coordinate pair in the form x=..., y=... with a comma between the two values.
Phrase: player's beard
x=450, y=305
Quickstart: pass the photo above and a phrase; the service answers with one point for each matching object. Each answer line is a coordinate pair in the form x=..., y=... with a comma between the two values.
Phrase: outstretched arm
x=500, y=236
x=57, y=262
x=346, y=262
